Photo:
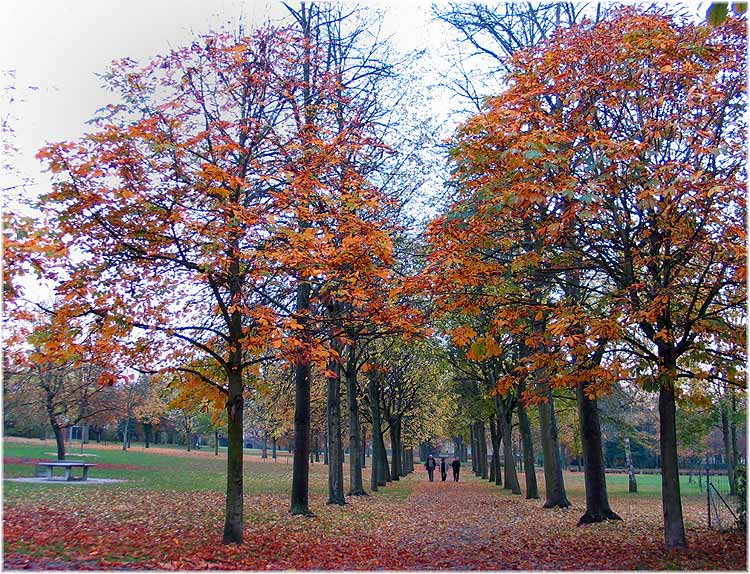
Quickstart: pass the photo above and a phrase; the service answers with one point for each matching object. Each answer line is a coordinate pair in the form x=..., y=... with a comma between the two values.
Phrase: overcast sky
x=56, y=48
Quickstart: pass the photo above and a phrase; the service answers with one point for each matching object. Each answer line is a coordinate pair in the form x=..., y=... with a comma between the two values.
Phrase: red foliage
x=466, y=526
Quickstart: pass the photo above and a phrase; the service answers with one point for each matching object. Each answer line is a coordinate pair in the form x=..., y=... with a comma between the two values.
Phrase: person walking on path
x=443, y=469
x=456, y=464
x=430, y=466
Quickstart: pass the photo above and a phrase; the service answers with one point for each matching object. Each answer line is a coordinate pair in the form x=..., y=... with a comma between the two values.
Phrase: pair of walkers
x=431, y=464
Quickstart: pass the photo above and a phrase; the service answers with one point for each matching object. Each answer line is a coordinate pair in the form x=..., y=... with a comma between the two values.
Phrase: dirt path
x=473, y=525
x=469, y=525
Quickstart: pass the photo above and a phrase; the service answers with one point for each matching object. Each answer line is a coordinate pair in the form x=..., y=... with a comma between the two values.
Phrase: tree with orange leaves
x=620, y=148
x=207, y=210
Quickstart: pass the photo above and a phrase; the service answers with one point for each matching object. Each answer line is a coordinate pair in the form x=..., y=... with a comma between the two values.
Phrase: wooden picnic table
x=68, y=465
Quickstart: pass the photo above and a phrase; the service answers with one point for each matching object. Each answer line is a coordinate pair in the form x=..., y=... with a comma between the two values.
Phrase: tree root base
x=301, y=511
x=600, y=516
x=559, y=504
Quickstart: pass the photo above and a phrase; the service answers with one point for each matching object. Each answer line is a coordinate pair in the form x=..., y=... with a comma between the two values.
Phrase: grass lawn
x=169, y=515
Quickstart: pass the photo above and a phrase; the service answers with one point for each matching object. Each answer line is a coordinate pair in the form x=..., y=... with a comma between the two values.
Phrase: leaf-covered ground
x=411, y=525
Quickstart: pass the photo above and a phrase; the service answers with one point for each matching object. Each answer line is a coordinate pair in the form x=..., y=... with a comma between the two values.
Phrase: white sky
x=58, y=47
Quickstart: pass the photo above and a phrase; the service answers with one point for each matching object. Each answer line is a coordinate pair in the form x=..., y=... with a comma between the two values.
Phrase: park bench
x=48, y=467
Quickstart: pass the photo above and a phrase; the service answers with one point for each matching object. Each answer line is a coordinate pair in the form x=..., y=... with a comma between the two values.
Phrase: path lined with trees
x=238, y=229
x=410, y=524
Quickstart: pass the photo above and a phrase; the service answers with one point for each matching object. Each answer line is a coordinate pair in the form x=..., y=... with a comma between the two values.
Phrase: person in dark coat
x=430, y=466
x=456, y=464
x=443, y=469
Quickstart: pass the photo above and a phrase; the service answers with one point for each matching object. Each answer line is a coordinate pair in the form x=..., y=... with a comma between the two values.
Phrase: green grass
x=649, y=485
x=397, y=490
x=201, y=471
x=161, y=471
x=196, y=471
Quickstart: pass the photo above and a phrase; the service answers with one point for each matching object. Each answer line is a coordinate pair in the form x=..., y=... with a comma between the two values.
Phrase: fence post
x=708, y=498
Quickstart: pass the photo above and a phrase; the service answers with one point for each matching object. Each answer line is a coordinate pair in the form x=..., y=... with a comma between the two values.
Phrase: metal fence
x=723, y=503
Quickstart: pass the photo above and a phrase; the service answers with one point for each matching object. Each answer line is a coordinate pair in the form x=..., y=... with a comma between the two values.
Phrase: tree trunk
x=264, y=448
x=188, y=434
x=395, y=449
x=375, y=463
x=364, y=445
x=553, y=477
x=356, y=488
x=733, y=430
x=474, y=447
x=495, y=471
x=597, y=502
x=317, y=448
x=147, y=433
x=301, y=469
x=674, y=527
x=505, y=433
x=484, y=468
x=60, y=440
x=274, y=447
x=125, y=438
x=301, y=464
x=336, y=451
x=727, y=440
x=632, y=484
x=385, y=471
x=532, y=490
x=373, y=393
x=235, y=503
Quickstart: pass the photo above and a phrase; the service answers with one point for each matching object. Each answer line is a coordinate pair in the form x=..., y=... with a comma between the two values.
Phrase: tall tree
x=215, y=187
x=645, y=171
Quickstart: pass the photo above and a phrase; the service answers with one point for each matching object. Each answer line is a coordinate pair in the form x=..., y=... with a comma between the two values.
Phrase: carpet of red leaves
x=469, y=525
